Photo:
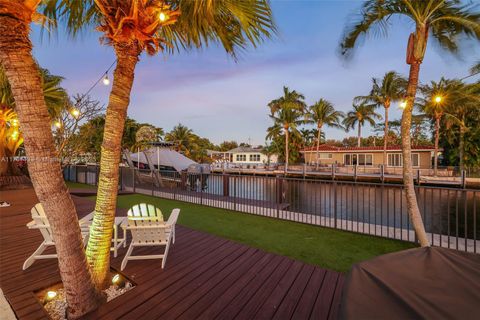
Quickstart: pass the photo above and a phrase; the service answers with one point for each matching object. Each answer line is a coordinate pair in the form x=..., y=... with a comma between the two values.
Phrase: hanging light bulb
x=105, y=80
x=162, y=16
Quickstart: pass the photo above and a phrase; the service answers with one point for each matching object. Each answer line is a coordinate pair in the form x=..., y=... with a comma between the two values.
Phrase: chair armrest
x=35, y=226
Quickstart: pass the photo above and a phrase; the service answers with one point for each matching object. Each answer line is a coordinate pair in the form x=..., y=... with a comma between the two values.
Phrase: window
x=325, y=155
x=241, y=157
x=415, y=160
x=365, y=159
x=361, y=159
x=396, y=160
x=255, y=158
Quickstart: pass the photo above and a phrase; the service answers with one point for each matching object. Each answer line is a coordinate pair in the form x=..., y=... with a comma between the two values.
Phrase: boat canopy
x=162, y=157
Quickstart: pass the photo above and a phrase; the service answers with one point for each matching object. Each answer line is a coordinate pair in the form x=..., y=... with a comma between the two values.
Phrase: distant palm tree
x=288, y=119
x=361, y=113
x=448, y=22
x=290, y=99
x=182, y=138
x=323, y=113
x=385, y=91
x=134, y=27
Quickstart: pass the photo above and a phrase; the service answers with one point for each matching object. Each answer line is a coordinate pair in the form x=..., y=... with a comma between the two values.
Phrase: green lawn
x=325, y=247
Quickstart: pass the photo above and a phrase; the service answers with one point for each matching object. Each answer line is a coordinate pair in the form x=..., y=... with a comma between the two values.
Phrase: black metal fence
x=450, y=215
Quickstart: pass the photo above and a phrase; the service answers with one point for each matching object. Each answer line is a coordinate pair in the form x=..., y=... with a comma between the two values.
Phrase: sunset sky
x=226, y=100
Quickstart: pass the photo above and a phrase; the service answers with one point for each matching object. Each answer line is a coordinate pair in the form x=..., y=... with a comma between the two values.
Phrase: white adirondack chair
x=41, y=223
x=146, y=224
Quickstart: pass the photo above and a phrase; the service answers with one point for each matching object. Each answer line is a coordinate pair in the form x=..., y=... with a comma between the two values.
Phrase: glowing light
x=403, y=105
x=15, y=122
x=438, y=99
x=15, y=135
x=51, y=295
x=105, y=80
x=162, y=16
x=58, y=124
x=116, y=279
x=75, y=113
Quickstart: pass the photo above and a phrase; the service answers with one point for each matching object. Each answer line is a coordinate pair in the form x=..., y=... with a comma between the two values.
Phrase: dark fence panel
x=450, y=215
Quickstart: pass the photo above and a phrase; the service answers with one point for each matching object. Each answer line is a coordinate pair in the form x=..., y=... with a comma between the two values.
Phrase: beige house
x=368, y=156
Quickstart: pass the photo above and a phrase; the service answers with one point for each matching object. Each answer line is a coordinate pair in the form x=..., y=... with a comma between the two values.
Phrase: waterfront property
x=243, y=156
x=367, y=156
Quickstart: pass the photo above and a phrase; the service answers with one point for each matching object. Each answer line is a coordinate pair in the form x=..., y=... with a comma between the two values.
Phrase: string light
x=438, y=99
x=58, y=124
x=15, y=135
x=403, y=105
x=15, y=122
x=75, y=113
x=105, y=80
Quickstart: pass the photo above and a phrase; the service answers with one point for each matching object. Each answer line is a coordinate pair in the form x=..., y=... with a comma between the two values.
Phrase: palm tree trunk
x=435, y=155
x=98, y=249
x=461, y=147
x=318, y=144
x=286, y=149
x=43, y=165
x=411, y=197
x=385, y=138
x=359, y=139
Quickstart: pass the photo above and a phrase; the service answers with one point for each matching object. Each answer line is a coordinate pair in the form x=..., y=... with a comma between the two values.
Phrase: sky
x=223, y=99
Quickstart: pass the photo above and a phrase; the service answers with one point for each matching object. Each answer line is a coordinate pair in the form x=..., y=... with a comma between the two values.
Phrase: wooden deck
x=205, y=277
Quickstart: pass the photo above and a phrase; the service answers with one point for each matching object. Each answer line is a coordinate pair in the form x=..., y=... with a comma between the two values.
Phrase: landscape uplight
x=116, y=279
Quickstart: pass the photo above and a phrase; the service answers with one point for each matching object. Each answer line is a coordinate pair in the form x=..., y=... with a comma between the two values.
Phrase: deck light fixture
x=105, y=80
x=116, y=279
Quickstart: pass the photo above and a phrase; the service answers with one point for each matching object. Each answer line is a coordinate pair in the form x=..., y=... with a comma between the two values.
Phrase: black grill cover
x=420, y=283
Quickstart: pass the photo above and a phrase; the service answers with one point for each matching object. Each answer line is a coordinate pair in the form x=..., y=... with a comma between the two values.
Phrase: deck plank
x=205, y=277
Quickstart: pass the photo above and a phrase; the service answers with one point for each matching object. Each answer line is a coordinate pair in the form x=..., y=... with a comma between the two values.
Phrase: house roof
x=330, y=148
x=245, y=150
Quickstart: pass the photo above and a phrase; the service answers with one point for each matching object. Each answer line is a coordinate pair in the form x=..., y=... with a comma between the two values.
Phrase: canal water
x=444, y=210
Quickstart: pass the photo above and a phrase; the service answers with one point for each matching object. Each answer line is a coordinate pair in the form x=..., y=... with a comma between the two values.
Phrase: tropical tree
x=475, y=69
x=385, y=91
x=132, y=27
x=446, y=21
x=290, y=99
x=288, y=119
x=323, y=113
x=25, y=81
x=182, y=139
x=436, y=96
x=360, y=114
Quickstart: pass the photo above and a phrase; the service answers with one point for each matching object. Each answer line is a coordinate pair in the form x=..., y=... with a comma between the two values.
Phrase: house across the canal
x=368, y=156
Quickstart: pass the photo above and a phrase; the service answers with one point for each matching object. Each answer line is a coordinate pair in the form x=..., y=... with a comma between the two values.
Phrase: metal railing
x=450, y=215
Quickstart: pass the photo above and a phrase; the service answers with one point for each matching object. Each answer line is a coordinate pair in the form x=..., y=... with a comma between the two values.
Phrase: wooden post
x=226, y=185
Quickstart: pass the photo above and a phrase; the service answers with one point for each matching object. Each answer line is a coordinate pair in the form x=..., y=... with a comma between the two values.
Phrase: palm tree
x=360, y=114
x=463, y=99
x=290, y=99
x=447, y=21
x=323, y=113
x=475, y=69
x=288, y=119
x=132, y=27
x=25, y=81
x=385, y=91
x=436, y=96
x=182, y=138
